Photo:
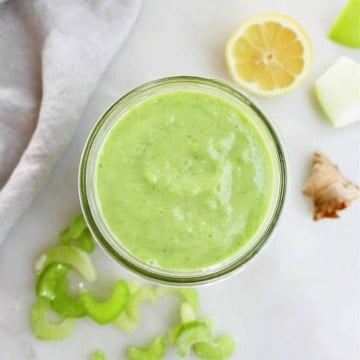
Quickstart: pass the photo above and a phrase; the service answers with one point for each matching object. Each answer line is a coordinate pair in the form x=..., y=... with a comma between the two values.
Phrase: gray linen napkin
x=52, y=54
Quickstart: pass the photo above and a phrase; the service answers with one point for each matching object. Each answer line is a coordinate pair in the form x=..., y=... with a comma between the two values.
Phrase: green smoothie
x=184, y=180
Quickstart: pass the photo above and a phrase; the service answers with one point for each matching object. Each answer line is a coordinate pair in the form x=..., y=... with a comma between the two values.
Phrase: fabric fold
x=52, y=55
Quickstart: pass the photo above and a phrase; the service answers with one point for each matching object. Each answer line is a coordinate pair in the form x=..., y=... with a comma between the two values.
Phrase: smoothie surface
x=184, y=180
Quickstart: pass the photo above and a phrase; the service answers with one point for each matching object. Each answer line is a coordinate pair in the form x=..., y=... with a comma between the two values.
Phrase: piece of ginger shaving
x=328, y=188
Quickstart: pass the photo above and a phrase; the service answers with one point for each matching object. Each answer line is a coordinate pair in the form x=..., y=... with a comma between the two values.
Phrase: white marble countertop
x=300, y=298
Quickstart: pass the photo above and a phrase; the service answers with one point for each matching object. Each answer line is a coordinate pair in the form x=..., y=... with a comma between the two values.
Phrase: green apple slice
x=338, y=92
x=346, y=29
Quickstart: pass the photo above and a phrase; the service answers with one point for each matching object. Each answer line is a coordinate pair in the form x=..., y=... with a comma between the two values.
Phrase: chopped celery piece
x=129, y=319
x=187, y=312
x=209, y=321
x=66, y=305
x=43, y=328
x=77, y=226
x=53, y=285
x=49, y=279
x=191, y=333
x=220, y=349
x=65, y=237
x=98, y=355
x=173, y=334
x=133, y=287
x=190, y=295
x=124, y=323
x=86, y=241
x=104, y=312
x=70, y=255
x=78, y=234
x=155, y=351
x=138, y=298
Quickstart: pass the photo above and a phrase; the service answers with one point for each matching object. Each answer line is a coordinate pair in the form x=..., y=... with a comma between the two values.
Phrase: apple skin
x=346, y=29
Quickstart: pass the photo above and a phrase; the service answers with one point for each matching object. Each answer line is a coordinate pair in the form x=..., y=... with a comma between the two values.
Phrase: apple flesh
x=338, y=92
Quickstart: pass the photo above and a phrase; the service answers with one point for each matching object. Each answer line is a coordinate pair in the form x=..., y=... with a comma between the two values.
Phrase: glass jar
x=90, y=204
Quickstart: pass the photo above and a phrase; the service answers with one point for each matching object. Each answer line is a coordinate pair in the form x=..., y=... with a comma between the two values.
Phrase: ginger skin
x=329, y=189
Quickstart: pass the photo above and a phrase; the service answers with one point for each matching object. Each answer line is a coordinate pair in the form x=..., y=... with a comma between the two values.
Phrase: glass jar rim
x=87, y=192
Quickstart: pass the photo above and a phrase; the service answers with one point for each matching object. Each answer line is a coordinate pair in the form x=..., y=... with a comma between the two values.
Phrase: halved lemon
x=269, y=54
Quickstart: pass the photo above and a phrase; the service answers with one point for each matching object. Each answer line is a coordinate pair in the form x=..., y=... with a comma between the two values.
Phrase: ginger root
x=329, y=190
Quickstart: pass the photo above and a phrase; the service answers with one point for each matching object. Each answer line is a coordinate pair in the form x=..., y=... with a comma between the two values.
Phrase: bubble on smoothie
x=179, y=215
